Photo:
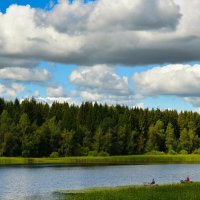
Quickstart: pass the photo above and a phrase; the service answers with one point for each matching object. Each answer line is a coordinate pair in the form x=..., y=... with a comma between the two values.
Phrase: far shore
x=110, y=160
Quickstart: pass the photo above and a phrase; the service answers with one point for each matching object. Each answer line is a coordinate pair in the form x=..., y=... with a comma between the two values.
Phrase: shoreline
x=110, y=160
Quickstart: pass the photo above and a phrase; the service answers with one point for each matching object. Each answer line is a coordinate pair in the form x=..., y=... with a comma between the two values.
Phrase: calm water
x=38, y=183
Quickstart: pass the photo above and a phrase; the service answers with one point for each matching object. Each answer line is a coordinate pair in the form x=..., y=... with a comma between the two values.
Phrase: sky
x=141, y=53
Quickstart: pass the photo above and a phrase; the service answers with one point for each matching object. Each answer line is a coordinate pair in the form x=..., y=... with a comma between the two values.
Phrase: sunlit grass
x=110, y=160
x=165, y=192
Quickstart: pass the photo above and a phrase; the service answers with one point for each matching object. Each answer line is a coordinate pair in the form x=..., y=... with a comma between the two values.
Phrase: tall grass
x=165, y=192
x=110, y=160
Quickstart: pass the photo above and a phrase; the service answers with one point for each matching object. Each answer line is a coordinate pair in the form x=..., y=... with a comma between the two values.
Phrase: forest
x=33, y=129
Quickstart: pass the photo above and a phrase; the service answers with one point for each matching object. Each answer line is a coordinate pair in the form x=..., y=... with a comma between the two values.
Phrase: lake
x=39, y=182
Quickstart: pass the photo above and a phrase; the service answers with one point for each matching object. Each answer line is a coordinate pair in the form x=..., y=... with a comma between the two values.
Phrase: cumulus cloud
x=11, y=91
x=24, y=74
x=126, y=15
x=99, y=34
x=134, y=15
x=21, y=37
x=114, y=32
x=55, y=91
x=100, y=77
x=180, y=80
x=172, y=80
x=51, y=100
x=102, y=84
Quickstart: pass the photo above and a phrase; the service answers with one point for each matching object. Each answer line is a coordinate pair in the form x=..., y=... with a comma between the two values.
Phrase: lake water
x=39, y=182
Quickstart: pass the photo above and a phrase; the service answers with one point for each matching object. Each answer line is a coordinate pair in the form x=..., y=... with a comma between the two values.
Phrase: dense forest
x=33, y=129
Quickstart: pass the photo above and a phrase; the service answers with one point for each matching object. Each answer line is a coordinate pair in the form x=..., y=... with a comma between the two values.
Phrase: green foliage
x=93, y=153
x=183, y=152
x=172, y=152
x=66, y=147
x=196, y=151
x=103, y=154
x=33, y=129
x=25, y=153
x=170, y=140
x=54, y=155
x=155, y=137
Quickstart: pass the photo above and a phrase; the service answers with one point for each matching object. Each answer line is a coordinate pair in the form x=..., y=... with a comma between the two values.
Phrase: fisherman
x=187, y=180
x=153, y=182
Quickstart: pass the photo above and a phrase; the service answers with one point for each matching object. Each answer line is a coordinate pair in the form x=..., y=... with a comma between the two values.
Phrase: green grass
x=165, y=192
x=111, y=160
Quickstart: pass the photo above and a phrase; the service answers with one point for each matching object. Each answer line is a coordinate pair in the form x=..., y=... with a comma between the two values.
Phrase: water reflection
x=35, y=183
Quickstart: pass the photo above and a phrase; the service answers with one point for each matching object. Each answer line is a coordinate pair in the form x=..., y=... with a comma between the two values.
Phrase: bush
x=155, y=153
x=25, y=153
x=183, y=152
x=92, y=153
x=172, y=152
x=197, y=151
x=54, y=155
x=103, y=153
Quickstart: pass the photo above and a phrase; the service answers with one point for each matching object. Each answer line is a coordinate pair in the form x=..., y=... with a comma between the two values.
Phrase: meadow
x=189, y=191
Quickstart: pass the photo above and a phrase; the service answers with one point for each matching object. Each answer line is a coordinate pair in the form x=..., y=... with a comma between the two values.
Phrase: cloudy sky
x=142, y=53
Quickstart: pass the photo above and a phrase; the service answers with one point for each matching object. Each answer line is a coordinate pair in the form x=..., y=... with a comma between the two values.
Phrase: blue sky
x=105, y=51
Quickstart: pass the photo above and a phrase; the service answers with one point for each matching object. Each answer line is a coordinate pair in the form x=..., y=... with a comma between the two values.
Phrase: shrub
x=172, y=152
x=54, y=155
x=197, y=151
x=103, y=153
x=92, y=153
x=183, y=152
x=25, y=153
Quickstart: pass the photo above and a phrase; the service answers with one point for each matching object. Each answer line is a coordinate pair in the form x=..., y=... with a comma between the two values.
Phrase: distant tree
x=184, y=140
x=155, y=137
x=66, y=148
x=98, y=140
x=170, y=140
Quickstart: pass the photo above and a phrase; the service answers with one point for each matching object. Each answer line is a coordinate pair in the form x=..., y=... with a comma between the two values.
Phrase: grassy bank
x=165, y=192
x=111, y=160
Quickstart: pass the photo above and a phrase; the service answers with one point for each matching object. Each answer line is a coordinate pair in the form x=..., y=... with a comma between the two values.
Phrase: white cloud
x=180, y=80
x=24, y=38
x=56, y=91
x=11, y=91
x=137, y=32
x=195, y=101
x=140, y=105
x=51, y=100
x=102, y=84
x=24, y=74
x=101, y=78
x=134, y=15
x=172, y=80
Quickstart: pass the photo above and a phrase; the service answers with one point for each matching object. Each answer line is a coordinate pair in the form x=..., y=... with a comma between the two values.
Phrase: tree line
x=33, y=129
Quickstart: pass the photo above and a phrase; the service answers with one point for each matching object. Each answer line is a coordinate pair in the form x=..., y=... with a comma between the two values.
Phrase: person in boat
x=153, y=182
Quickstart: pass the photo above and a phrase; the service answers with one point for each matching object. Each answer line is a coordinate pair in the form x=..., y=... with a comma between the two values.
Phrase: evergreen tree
x=170, y=140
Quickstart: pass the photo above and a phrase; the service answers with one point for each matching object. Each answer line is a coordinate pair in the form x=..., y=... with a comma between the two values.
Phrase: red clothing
x=187, y=179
